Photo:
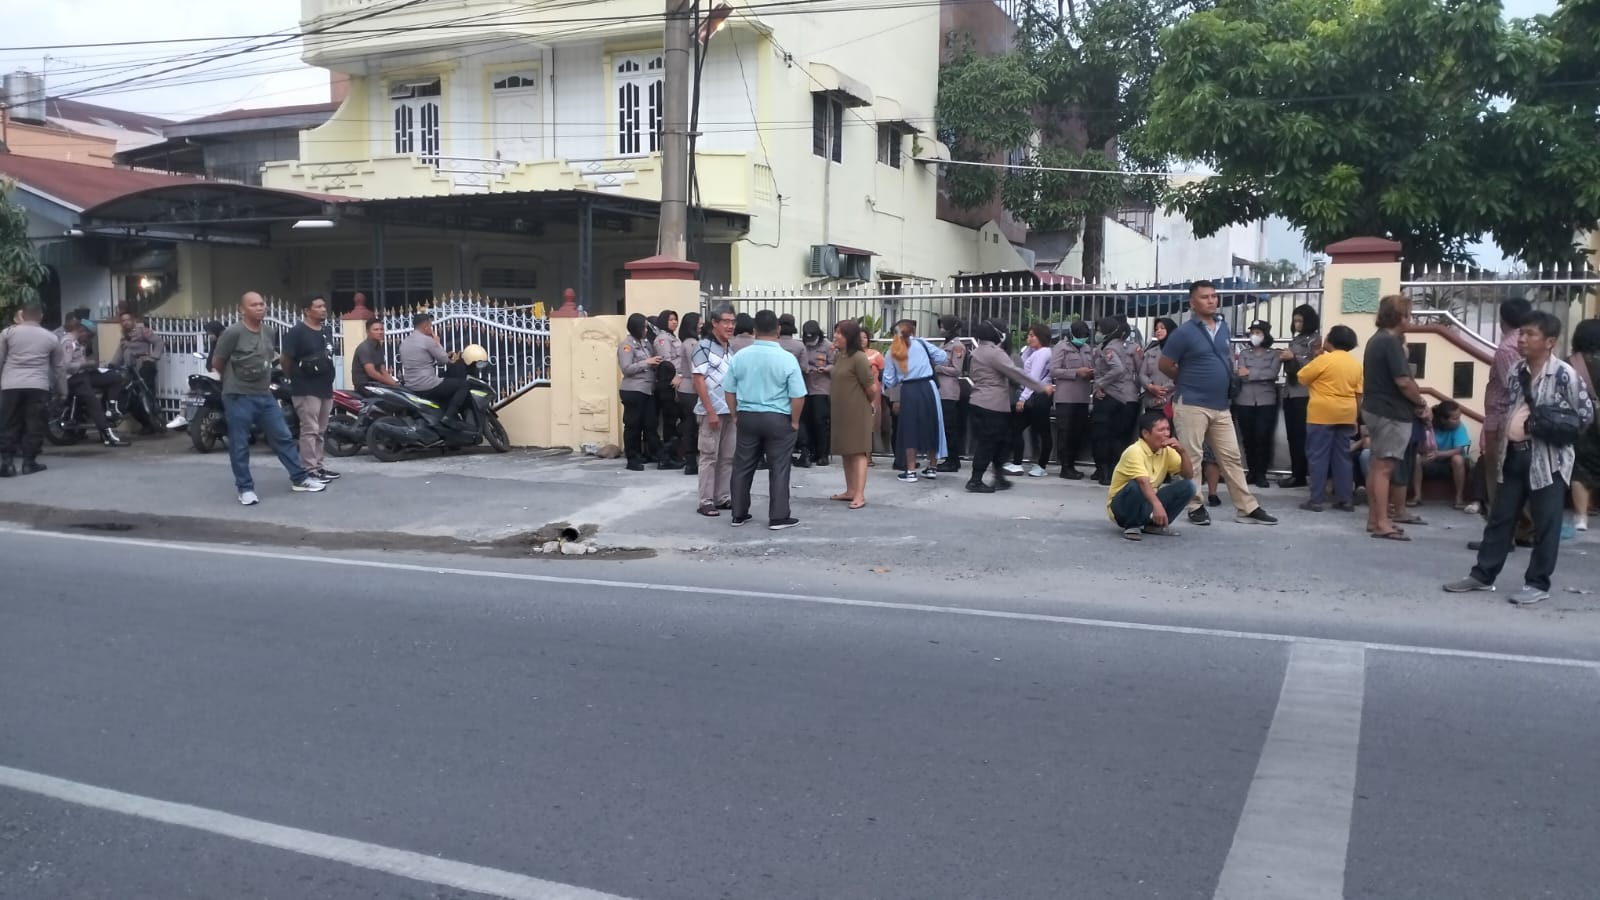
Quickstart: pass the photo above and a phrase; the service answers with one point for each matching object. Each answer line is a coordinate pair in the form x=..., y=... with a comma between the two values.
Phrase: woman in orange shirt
x=1336, y=380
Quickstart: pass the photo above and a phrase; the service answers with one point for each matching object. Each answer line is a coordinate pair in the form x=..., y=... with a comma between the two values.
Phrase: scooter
x=208, y=424
x=408, y=423
x=72, y=424
x=348, y=426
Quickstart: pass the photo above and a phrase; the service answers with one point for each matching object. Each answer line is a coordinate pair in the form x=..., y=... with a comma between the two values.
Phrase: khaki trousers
x=717, y=447
x=313, y=413
x=1198, y=426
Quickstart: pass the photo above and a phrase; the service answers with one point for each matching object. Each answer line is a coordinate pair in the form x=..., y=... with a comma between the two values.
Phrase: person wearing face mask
x=1256, y=407
x=1116, y=394
x=992, y=374
x=1072, y=370
x=1155, y=388
x=817, y=417
x=1302, y=349
x=637, y=359
x=952, y=403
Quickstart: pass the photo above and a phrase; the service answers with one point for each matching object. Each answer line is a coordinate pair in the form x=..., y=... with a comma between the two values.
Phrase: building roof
x=265, y=112
x=80, y=186
x=105, y=116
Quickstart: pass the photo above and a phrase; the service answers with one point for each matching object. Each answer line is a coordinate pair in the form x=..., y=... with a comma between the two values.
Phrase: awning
x=206, y=210
x=852, y=251
x=827, y=79
x=888, y=111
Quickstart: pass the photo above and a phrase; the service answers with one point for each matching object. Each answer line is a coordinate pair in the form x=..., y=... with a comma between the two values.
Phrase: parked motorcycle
x=71, y=424
x=408, y=423
x=347, y=427
x=208, y=424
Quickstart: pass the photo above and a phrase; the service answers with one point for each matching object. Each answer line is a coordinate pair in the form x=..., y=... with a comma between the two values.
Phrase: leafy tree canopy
x=21, y=273
x=1428, y=121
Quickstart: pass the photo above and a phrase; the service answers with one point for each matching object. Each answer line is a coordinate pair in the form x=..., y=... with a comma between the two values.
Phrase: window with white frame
x=416, y=107
x=640, y=88
x=891, y=145
x=518, y=117
x=827, y=126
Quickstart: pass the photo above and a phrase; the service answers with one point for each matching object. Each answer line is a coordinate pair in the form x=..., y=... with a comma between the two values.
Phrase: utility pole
x=675, y=131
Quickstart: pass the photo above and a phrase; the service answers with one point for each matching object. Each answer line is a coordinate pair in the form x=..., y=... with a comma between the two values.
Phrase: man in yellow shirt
x=1336, y=380
x=1140, y=501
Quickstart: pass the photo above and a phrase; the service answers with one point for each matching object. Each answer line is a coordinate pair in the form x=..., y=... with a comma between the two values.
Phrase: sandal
x=1411, y=520
x=1396, y=535
x=709, y=510
x=842, y=498
x=857, y=504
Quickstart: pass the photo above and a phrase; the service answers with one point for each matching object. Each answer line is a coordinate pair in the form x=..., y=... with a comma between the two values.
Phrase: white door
x=518, y=119
x=638, y=81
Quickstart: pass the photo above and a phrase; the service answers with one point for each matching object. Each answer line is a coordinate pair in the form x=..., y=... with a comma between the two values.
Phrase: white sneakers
x=1012, y=469
x=309, y=486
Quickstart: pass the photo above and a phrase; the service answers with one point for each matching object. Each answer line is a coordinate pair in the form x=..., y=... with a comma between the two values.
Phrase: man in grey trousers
x=766, y=394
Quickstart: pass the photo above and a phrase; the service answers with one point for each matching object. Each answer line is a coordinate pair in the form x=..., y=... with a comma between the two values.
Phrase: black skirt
x=919, y=418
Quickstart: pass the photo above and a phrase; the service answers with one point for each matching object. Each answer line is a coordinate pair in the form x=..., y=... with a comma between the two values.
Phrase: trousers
x=1131, y=508
x=1197, y=427
x=247, y=411
x=22, y=418
x=1546, y=505
x=1328, y=453
x=768, y=436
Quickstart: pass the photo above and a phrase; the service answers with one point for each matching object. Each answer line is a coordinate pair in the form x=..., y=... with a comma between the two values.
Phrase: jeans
x=1197, y=427
x=1072, y=428
x=769, y=436
x=246, y=411
x=1546, y=506
x=22, y=422
x=1328, y=451
x=313, y=414
x=1258, y=426
x=1295, y=429
x=1132, y=509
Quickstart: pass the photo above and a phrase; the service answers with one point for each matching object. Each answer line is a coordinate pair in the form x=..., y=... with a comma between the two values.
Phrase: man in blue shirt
x=1198, y=357
x=766, y=393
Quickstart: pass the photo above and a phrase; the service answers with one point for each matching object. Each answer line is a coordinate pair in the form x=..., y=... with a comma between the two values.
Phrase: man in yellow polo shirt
x=1140, y=500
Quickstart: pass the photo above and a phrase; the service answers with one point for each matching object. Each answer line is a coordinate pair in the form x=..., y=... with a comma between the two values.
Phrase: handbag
x=1235, y=383
x=1558, y=426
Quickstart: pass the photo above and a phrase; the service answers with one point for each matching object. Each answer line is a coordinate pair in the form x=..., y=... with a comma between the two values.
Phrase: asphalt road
x=177, y=723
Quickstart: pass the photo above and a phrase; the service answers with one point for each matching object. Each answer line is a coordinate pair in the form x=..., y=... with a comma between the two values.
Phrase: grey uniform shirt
x=1116, y=372
x=31, y=359
x=633, y=358
x=1066, y=358
x=992, y=372
x=797, y=349
x=248, y=358
x=948, y=373
x=1150, y=374
x=1261, y=385
x=739, y=342
x=819, y=368
x=419, y=355
x=1304, y=347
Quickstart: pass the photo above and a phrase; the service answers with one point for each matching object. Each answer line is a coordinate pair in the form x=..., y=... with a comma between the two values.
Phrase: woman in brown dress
x=853, y=394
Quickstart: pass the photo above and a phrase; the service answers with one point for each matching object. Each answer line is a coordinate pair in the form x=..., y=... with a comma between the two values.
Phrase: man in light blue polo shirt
x=766, y=393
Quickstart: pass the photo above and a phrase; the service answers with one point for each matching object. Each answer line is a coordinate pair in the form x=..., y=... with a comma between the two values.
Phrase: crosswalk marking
x=1295, y=829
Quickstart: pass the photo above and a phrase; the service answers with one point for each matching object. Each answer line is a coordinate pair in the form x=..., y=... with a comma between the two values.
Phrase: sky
x=269, y=77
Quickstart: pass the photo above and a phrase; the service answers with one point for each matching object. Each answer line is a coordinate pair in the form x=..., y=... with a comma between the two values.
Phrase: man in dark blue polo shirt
x=1198, y=357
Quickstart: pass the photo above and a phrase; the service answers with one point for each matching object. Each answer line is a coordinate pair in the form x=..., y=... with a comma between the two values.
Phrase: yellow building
x=809, y=131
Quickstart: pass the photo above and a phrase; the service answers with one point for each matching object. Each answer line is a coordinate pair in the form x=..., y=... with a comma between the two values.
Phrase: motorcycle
x=408, y=423
x=72, y=423
x=347, y=427
x=208, y=424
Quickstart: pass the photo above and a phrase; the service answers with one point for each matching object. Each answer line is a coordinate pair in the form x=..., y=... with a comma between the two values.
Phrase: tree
x=1072, y=94
x=1431, y=122
x=21, y=273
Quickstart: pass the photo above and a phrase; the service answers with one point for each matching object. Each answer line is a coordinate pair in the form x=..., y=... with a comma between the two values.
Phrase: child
x=1448, y=457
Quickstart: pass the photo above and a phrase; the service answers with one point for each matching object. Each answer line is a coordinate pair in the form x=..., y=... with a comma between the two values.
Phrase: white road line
x=705, y=591
x=1295, y=829
x=404, y=863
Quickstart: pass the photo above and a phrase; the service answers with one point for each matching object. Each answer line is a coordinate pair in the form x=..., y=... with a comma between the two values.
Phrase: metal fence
x=517, y=340
x=1020, y=302
x=1470, y=298
x=185, y=336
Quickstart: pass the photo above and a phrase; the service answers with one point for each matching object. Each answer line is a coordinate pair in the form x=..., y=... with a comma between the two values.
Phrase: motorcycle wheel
x=144, y=412
x=338, y=446
x=61, y=435
x=203, y=431
x=495, y=434
x=383, y=447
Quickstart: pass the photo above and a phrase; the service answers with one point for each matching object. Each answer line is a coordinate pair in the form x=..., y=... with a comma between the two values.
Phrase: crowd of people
x=1159, y=420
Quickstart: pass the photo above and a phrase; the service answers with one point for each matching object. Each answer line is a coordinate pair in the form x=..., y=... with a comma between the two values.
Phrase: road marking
x=406, y=864
x=704, y=591
x=1295, y=829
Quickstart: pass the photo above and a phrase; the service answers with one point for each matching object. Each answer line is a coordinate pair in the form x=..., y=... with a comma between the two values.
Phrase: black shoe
x=823, y=460
x=740, y=520
x=978, y=487
x=1002, y=484
x=635, y=466
x=8, y=470
x=1257, y=516
x=949, y=467
x=1262, y=483
x=802, y=463
x=693, y=468
x=325, y=475
x=1213, y=500
x=1103, y=481
x=667, y=465
x=30, y=466
x=726, y=504
x=1072, y=474
x=1200, y=517
x=1292, y=483
x=781, y=524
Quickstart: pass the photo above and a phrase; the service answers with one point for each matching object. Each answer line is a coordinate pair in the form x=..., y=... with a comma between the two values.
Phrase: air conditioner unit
x=824, y=262
x=860, y=267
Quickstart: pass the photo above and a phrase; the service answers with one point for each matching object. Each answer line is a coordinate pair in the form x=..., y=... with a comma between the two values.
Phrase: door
x=518, y=118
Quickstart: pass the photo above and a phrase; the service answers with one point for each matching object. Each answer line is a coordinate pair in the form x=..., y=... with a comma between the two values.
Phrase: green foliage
x=1428, y=121
x=1073, y=94
x=21, y=273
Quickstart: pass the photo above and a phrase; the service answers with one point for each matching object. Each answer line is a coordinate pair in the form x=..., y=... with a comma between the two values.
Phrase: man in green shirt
x=246, y=355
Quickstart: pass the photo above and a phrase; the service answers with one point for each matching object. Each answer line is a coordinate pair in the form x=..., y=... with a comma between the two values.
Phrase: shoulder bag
x=1559, y=426
x=1235, y=383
